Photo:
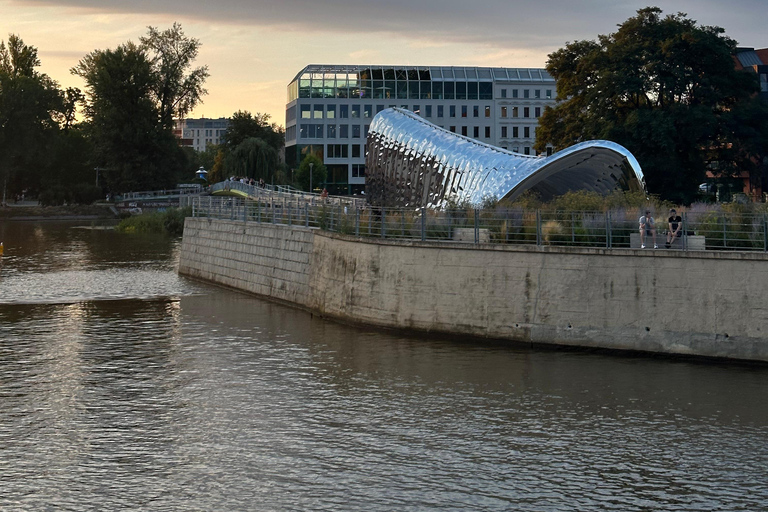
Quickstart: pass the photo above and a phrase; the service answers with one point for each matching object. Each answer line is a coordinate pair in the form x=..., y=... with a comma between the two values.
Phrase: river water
x=126, y=387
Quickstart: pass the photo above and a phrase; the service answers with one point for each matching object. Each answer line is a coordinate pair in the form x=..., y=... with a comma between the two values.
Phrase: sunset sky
x=253, y=48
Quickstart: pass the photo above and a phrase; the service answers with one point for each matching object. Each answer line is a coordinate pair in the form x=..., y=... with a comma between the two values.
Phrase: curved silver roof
x=411, y=162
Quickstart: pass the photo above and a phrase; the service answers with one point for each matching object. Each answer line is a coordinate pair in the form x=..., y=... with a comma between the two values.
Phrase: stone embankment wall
x=267, y=260
x=707, y=303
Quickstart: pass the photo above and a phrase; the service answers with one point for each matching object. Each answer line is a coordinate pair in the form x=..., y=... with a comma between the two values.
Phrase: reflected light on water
x=125, y=386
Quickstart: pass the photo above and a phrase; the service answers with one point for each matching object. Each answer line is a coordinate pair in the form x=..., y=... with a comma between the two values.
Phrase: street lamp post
x=311, y=165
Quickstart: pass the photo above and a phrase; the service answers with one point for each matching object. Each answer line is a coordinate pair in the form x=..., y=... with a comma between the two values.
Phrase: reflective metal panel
x=411, y=162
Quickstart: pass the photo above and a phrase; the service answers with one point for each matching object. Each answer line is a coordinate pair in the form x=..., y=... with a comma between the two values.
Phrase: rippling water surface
x=124, y=386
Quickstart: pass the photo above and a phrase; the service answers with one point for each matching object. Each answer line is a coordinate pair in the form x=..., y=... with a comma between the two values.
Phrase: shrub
x=170, y=221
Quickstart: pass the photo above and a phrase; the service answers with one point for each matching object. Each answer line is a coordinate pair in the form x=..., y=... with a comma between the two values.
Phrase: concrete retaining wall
x=267, y=260
x=707, y=303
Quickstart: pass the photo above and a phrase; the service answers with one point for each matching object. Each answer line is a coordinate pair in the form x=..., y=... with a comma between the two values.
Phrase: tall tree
x=176, y=88
x=133, y=149
x=660, y=86
x=29, y=105
x=133, y=91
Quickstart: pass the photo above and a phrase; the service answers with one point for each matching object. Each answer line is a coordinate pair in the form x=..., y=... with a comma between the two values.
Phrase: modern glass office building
x=330, y=109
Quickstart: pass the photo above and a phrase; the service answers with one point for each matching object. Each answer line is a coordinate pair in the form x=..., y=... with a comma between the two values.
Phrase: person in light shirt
x=647, y=227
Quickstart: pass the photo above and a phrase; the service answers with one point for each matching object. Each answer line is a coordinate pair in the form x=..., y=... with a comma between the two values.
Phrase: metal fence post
x=765, y=233
x=573, y=228
x=477, y=226
x=306, y=215
x=423, y=223
x=383, y=221
x=608, y=241
x=274, y=211
x=725, y=233
x=357, y=222
x=685, y=231
x=538, y=227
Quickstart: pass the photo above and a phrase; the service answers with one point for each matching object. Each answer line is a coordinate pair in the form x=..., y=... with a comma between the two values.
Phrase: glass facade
x=394, y=83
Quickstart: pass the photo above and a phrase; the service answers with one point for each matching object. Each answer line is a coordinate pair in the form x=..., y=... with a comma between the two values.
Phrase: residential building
x=330, y=109
x=200, y=133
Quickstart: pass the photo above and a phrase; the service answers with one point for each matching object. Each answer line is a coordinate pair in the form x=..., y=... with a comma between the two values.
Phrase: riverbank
x=32, y=211
x=705, y=304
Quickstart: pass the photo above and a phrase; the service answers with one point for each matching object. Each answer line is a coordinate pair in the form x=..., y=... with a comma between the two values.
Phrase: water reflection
x=202, y=398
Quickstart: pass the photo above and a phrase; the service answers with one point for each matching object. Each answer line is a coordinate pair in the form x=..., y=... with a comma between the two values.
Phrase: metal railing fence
x=613, y=229
x=285, y=194
x=155, y=194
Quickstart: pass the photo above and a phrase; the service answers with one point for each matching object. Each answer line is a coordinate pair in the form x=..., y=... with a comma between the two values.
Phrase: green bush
x=52, y=197
x=170, y=222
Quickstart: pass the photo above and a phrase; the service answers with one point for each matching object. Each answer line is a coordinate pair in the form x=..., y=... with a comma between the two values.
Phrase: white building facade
x=330, y=109
x=200, y=133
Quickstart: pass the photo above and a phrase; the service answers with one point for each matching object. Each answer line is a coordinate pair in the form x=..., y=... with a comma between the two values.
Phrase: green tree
x=660, y=86
x=131, y=91
x=176, y=91
x=319, y=173
x=216, y=173
x=244, y=125
x=30, y=103
x=254, y=158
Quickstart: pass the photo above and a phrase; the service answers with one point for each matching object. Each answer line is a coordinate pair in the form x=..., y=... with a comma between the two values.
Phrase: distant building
x=751, y=185
x=330, y=109
x=757, y=60
x=200, y=133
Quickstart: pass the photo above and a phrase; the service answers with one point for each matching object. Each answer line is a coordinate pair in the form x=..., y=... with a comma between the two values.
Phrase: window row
x=332, y=131
x=319, y=111
x=342, y=151
x=537, y=93
x=344, y=111
x=395, y=89
x=475, y=131
x=515, y=112
x=516, y=132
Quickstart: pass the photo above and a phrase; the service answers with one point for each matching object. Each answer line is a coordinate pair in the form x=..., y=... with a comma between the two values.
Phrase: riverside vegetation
x=170, y=222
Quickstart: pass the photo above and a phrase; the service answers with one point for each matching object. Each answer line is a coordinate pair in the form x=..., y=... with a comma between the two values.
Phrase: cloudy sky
x=255, y=47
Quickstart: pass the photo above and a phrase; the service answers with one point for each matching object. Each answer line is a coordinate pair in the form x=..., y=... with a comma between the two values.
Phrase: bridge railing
x=712, y=230
x=285, y=194
x=154, y=194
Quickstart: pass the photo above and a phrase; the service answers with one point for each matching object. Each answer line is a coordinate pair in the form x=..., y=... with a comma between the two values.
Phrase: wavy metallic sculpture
x=411, y=162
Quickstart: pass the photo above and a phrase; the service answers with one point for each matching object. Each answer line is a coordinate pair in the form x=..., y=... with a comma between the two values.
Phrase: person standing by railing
x=647, y=227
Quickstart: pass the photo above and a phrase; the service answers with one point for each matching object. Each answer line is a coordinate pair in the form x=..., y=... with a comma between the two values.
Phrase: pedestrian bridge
x=282, y=193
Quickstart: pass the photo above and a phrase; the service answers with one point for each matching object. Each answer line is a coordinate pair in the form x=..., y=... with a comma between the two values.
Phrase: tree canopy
x=251, y=146
x=244, y=125
x=663, y=87
x=254, y=158
x=30, y=104
x=171, y=54
x=133, y=92
x=319, y=173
